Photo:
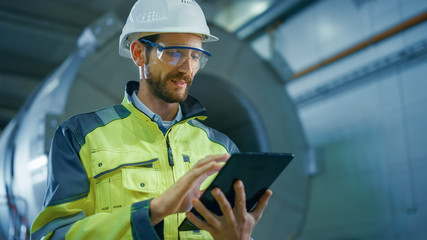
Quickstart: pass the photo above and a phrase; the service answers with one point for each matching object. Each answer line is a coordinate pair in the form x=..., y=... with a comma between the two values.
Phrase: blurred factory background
x=340, y=83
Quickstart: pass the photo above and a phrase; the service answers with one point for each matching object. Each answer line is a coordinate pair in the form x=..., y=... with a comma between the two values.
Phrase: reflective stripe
x=83, y=124
x=107, y=115
x=56, y=224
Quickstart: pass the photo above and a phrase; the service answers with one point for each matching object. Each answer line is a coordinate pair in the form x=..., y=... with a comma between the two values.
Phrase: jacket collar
x=191, y=107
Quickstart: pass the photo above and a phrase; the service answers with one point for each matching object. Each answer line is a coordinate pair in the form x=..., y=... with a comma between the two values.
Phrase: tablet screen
x=257, y=172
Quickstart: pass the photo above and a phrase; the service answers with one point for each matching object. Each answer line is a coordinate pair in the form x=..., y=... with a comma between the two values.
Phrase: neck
x=167, y=111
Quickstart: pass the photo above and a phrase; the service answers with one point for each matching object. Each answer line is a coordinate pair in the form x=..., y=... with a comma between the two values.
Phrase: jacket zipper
x=171, y=164
x=170, y=156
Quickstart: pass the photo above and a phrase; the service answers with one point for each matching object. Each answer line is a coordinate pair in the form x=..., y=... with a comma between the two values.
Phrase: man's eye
x=195, y=56
x=173, y=53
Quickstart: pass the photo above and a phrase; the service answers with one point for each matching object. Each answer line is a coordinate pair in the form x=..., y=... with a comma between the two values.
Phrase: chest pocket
x=122, y=179
x=140, y=183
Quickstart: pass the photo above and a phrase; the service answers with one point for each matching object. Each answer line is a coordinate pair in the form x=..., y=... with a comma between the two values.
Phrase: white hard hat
x=149, y=17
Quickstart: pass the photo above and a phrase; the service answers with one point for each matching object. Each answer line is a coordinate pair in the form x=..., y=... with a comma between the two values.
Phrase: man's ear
x=137, y=50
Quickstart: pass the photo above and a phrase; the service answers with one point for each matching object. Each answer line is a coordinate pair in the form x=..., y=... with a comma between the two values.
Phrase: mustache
x=179, y=75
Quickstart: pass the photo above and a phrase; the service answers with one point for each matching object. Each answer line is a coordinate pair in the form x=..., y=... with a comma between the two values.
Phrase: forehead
x=187, y=39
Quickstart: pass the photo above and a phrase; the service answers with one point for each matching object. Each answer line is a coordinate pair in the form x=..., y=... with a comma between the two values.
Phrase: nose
x=186, y=66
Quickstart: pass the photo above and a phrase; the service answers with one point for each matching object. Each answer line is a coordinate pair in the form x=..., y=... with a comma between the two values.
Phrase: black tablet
x=257, y=171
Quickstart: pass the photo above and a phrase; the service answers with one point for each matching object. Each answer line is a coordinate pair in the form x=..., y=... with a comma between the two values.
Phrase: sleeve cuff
x=141, y=222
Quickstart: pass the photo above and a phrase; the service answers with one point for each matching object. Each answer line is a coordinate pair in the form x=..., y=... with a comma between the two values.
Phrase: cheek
x=153, y=70
x=194, y=73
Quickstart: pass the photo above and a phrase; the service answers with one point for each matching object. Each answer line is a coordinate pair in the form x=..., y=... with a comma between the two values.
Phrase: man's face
x=166, y=82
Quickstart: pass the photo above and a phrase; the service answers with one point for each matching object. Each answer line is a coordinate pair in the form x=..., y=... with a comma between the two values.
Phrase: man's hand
x=179, y=197
x=235, y=223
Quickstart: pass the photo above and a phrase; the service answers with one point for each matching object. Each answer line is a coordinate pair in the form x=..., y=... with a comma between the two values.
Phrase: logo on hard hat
x=192, y=2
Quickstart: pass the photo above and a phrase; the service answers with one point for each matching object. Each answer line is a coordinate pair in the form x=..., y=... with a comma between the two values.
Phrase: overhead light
x=259, y=7
x=37, y=163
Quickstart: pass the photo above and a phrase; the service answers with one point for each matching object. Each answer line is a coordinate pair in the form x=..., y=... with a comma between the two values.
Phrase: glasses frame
x=161, y=48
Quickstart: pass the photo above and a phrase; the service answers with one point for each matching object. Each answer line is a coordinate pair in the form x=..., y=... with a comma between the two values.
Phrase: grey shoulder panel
x=110, y=114
x=83, y=124
x=216, y=136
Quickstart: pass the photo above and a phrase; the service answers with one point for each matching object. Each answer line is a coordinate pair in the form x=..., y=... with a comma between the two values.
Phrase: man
x=134, y=169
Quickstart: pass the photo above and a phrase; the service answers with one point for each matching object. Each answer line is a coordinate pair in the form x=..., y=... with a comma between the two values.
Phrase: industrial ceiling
x=36, y=37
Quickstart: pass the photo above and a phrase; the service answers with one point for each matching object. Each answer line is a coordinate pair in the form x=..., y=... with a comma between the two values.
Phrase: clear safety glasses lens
x=177, y=55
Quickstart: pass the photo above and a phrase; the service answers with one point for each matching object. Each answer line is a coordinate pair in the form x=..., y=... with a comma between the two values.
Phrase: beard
x=159, y=87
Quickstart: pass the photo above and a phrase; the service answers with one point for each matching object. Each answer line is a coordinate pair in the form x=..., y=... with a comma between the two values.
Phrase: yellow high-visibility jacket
x=106, y=166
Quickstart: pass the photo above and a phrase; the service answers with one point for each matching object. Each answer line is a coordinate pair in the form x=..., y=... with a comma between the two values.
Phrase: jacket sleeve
x=69, y=205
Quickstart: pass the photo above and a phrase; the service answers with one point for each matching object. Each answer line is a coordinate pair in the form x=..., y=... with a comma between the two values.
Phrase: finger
x=209, y=217
x=216, y=158
x=192, y=179
x=240, y=199
x=194, y=174
x=261, y=205
x=208, y=165
x=216, y=167
x=224, y=204
x=198, y=222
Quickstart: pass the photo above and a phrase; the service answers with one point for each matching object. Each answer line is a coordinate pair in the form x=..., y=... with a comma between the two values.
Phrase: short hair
x=148, y=47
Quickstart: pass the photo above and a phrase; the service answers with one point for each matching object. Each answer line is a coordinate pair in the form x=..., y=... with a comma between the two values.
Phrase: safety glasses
x=177, y=55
